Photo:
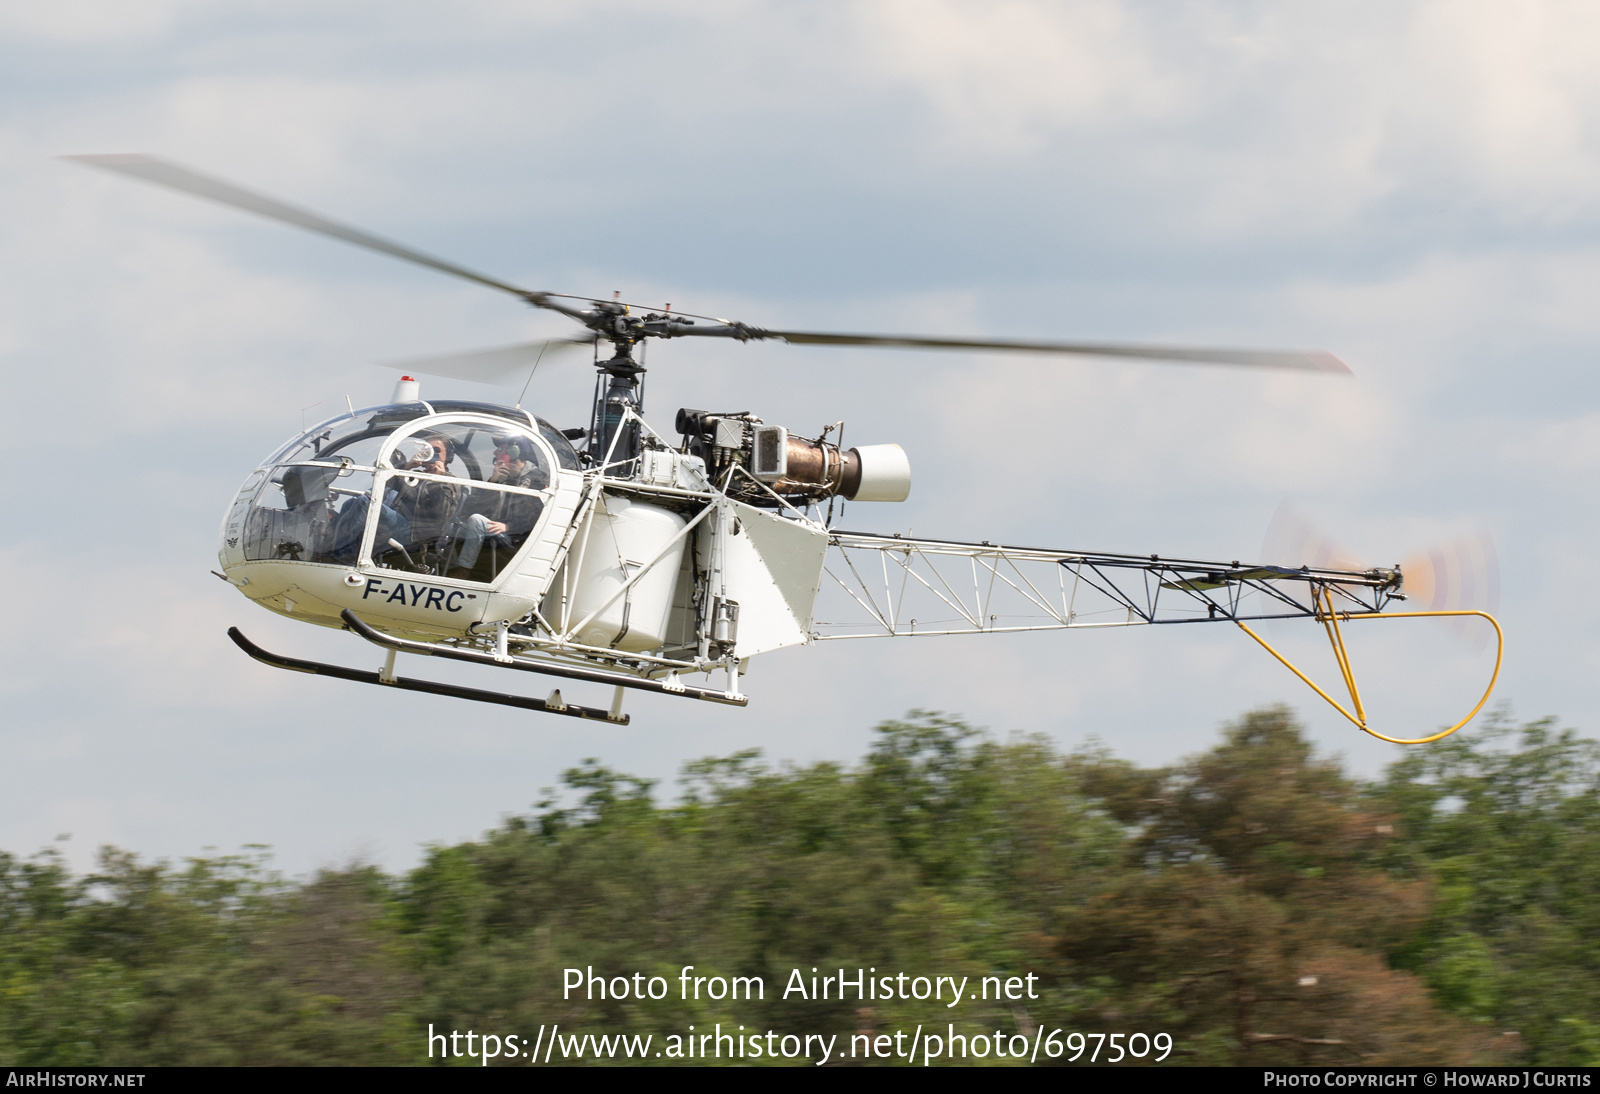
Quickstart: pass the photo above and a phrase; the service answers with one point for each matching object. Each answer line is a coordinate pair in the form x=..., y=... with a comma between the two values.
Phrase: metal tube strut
x=430, y=687
x=406, y=645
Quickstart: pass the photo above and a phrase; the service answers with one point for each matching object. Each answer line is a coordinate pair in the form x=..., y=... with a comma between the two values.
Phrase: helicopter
x=614, y=554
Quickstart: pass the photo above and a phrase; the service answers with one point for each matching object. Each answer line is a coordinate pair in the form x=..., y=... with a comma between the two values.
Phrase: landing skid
x=317, y=668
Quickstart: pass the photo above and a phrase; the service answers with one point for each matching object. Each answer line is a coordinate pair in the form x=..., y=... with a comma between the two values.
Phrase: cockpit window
x=445, y=527
x=337, y=435
x=566, y=455
x=461, y=501
x=470, y=450
x=309, y=512
x=454, y=499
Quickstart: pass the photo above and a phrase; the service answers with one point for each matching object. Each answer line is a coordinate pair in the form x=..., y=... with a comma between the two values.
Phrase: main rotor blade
x=165, y=173
x=1306, y=360
x=490, y=366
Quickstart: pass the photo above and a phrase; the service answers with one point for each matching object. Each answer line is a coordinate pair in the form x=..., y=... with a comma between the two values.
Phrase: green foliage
x=218, y=963
x=1253, y=901
x=1253, y=917
x=1505, y=824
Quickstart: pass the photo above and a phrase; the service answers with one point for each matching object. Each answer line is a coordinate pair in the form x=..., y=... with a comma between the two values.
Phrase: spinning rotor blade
x=165, y=173
x=605, y=318
x=1293, y=540
x=1310, y=361
x=1461, y=575
x=490, y=366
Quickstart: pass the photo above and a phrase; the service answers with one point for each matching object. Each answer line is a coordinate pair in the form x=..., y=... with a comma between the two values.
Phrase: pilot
x=516, y=464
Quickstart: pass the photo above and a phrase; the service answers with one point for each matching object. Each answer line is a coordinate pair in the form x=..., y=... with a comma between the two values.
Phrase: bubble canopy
x=336, y=433
x=449, y=489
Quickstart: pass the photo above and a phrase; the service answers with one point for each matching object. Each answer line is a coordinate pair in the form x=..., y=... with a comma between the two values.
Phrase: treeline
x=1255, y=903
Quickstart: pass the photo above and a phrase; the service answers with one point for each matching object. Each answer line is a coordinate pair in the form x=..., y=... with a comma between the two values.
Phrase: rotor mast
x=619, y=380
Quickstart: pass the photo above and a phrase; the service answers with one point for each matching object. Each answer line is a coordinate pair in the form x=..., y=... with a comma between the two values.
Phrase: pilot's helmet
x=516, y=448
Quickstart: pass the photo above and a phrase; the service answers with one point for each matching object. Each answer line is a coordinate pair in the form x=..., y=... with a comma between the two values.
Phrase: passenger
x=516, y=464
x=428, y=506
x=432, y=454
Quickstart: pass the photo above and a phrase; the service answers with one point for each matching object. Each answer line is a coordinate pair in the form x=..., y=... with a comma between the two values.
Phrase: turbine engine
x=774, y=461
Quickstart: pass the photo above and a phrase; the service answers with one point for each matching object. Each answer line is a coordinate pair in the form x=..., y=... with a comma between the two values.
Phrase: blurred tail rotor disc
x=1460, y=575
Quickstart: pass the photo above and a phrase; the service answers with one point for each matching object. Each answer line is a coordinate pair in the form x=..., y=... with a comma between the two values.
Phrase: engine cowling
x=797, y=467
x=874, y=472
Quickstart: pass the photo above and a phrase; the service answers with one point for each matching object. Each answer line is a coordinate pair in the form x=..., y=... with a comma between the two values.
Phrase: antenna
x=535, y=368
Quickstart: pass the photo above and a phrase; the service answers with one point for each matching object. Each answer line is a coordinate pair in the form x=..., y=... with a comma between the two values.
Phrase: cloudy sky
x=1413, y=186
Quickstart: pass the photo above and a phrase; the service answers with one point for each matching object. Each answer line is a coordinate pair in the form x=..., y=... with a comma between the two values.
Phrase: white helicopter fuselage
x=653, y=573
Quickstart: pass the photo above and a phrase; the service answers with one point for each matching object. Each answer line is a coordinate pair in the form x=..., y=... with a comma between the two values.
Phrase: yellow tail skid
x=1322, y=602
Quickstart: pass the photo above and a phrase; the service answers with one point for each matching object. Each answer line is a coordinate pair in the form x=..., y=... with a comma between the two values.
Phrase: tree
x=1255, y=915
x=1505, y=824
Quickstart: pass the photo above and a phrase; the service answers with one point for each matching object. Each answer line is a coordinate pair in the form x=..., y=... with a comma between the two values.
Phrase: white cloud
x=1510, y=96
x=1008, y=77
x=92, y=21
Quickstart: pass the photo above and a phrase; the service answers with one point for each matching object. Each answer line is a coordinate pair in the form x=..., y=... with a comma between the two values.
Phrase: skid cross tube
x=1330, y=621
x=660, y=687
x=430, y=687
